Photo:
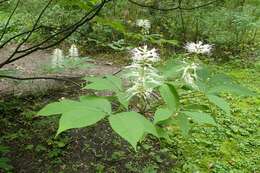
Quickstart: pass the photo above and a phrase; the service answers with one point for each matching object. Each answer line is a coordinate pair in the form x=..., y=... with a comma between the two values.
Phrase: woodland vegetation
x=129, y=86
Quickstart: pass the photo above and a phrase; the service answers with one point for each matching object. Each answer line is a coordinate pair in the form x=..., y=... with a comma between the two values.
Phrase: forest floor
x=29, y=145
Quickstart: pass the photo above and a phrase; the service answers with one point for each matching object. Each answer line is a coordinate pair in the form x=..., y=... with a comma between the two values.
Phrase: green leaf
x=57, y=108
x=122, y=99
x=220, y=102
x=170, y=42
x=109, y=82
x=170, y=96
x=222, y=83
x=115, y=24
x=4, y=149
x=4, y=164
x=183, y=122
x=162, y=133
x=232, y=88
x=87, y=111
x=98, y=103
x=171, y=68
x=198, y=107
x=80, y=117
x=220, y=79
x=200, y=117
x=131, y=126
x=162, y=114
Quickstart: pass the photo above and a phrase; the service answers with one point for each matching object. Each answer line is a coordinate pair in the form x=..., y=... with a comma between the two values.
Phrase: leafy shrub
x=152, y=102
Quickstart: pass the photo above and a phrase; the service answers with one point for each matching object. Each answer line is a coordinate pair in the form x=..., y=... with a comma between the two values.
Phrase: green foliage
x=69, y=64
x=162, y=114
x=4, y=161
x=111, y=83
x=235, y=139
x=221, y=103
x=131, y=126
x=199, y=117
x=170, y=96
x=88, y=111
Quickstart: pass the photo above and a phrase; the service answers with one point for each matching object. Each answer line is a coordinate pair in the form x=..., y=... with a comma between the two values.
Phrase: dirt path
x=33, y=65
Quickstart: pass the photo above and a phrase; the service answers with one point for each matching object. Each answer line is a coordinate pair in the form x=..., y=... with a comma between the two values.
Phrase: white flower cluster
x=144, y=24
x=58, y=56
x=198, y=48
x=189, y=74
x=142, y=74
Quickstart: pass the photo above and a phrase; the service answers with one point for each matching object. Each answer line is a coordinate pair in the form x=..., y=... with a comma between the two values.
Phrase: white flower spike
x=198, y=48
x=189, y=74
x=142, y=74
x=57, y=58
x=144, y=24
x=73, y=51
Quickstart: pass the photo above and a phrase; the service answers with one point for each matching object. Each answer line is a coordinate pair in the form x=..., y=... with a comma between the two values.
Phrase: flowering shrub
x=146, y=96
x=71, y=60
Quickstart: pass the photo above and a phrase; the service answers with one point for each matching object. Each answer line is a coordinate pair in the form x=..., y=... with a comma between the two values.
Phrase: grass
x=232, y=146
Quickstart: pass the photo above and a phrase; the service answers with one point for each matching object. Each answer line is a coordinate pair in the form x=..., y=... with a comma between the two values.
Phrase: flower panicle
x=145, y=24
x=140, y=54
x=73, y=51
x=57, y=58
x=198, y=48
x=143, y=76
x=189, y=74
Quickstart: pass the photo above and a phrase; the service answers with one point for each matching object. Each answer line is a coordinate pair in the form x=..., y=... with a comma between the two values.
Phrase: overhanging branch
x=172, y=8
x=49, y=42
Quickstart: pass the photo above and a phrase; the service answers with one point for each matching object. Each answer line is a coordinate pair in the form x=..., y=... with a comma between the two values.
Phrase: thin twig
x=68, y=32
x=33, y=28
x=9, y=19
x=64, y=79
x=172, y=8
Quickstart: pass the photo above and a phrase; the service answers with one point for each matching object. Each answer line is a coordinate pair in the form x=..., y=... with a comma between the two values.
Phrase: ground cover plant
x=137, y=86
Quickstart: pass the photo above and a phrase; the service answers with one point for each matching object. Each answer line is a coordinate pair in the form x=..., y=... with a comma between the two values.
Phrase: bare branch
x=172, y=8
x=18, y=35
x=33, y=28
x=9, y=19
x=42, y=45
x=64, y=79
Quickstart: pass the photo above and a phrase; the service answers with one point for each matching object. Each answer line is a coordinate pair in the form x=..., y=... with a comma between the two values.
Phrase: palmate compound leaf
x=132, y=126
x=111, y=83
x=220, y=102
x=170, y=96
x=89, y=110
